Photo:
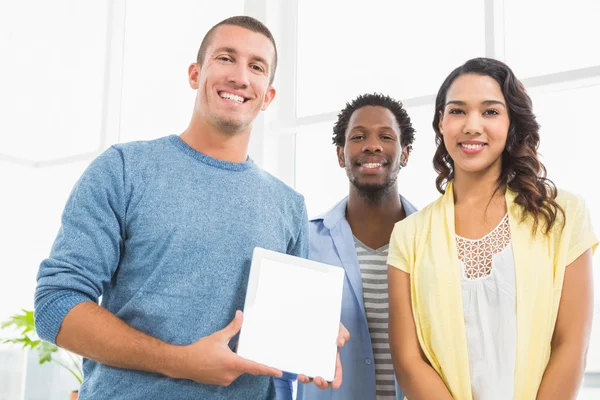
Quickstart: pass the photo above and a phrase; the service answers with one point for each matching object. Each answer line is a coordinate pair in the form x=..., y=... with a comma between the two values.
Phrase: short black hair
x=407, y=132
x=243, y=21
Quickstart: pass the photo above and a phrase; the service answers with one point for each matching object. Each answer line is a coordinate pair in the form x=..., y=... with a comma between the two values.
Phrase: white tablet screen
x=292, y=315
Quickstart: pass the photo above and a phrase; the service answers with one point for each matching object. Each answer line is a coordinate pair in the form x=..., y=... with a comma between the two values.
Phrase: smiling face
x=233, y=80
x=372, y=154
x=474, y=124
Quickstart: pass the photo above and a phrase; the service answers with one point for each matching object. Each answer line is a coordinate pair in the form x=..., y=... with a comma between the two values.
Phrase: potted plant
x=47, y=352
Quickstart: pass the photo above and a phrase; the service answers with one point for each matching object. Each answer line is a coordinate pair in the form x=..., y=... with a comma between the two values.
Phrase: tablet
x=292, y=314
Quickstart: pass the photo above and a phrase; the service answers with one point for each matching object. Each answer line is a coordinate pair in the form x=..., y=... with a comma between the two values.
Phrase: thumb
x=234, y=326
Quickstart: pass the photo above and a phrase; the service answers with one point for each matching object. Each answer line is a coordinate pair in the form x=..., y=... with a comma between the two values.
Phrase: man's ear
x=269, y=96
x=405, y=154
x=340, y=154
x=194, y=75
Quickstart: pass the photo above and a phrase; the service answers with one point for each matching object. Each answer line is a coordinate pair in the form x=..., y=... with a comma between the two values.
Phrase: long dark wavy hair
x=522, y=171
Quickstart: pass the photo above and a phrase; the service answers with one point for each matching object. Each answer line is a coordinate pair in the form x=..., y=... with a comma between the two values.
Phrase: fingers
x=234, y=327
x=268, y=371
x=254, y=368
x=343, y=336
x=321, y=383
x=337, y=380
x=318, y=381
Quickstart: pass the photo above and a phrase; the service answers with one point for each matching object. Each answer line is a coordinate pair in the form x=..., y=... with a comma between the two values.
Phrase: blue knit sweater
x=165, y=235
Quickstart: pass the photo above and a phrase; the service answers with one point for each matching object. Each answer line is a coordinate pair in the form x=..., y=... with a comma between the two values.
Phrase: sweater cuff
x=50, y=314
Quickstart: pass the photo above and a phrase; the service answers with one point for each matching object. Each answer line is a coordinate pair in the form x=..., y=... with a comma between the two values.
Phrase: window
x=318, y=175
x=544, y=38
x=349, y=48
x=52, y=79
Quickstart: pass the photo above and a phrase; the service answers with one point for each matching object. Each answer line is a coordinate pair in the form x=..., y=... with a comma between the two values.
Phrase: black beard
x=374, y=193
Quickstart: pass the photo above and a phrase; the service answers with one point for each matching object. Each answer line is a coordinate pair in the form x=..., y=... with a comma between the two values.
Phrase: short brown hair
x=243, y=21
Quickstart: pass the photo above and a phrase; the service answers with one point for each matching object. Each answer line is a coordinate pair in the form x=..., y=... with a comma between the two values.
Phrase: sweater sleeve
x=87, y=249
x=299, y=246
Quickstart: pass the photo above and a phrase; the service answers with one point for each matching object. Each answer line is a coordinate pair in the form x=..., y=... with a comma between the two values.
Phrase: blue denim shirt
x=331, y=241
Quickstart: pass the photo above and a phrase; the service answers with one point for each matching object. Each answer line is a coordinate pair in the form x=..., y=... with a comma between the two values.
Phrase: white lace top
x=489, y=293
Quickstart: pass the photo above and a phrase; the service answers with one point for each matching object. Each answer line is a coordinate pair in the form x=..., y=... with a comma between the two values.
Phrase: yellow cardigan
x=424, y=245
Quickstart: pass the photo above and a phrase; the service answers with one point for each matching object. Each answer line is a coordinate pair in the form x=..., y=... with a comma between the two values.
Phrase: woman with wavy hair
x=490, y=286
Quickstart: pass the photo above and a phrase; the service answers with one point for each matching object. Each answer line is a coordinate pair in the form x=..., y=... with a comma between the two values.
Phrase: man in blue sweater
x=163, y=231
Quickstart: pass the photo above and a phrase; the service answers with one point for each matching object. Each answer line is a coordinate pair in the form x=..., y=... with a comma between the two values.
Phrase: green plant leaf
x=25, y=341
x=28, y=338
x=25, y=321
x=45, y=351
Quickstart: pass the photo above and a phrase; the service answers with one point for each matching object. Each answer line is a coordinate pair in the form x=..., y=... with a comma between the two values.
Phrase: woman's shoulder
x=419, y=220
x=568, y=200
x=573, y=212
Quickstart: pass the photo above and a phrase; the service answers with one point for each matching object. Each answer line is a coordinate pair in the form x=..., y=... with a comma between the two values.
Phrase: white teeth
x=231, y=96
x=371, y=165
x=472, y=146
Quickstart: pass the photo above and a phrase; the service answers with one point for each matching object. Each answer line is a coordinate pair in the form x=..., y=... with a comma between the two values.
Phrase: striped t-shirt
x=373, y=268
